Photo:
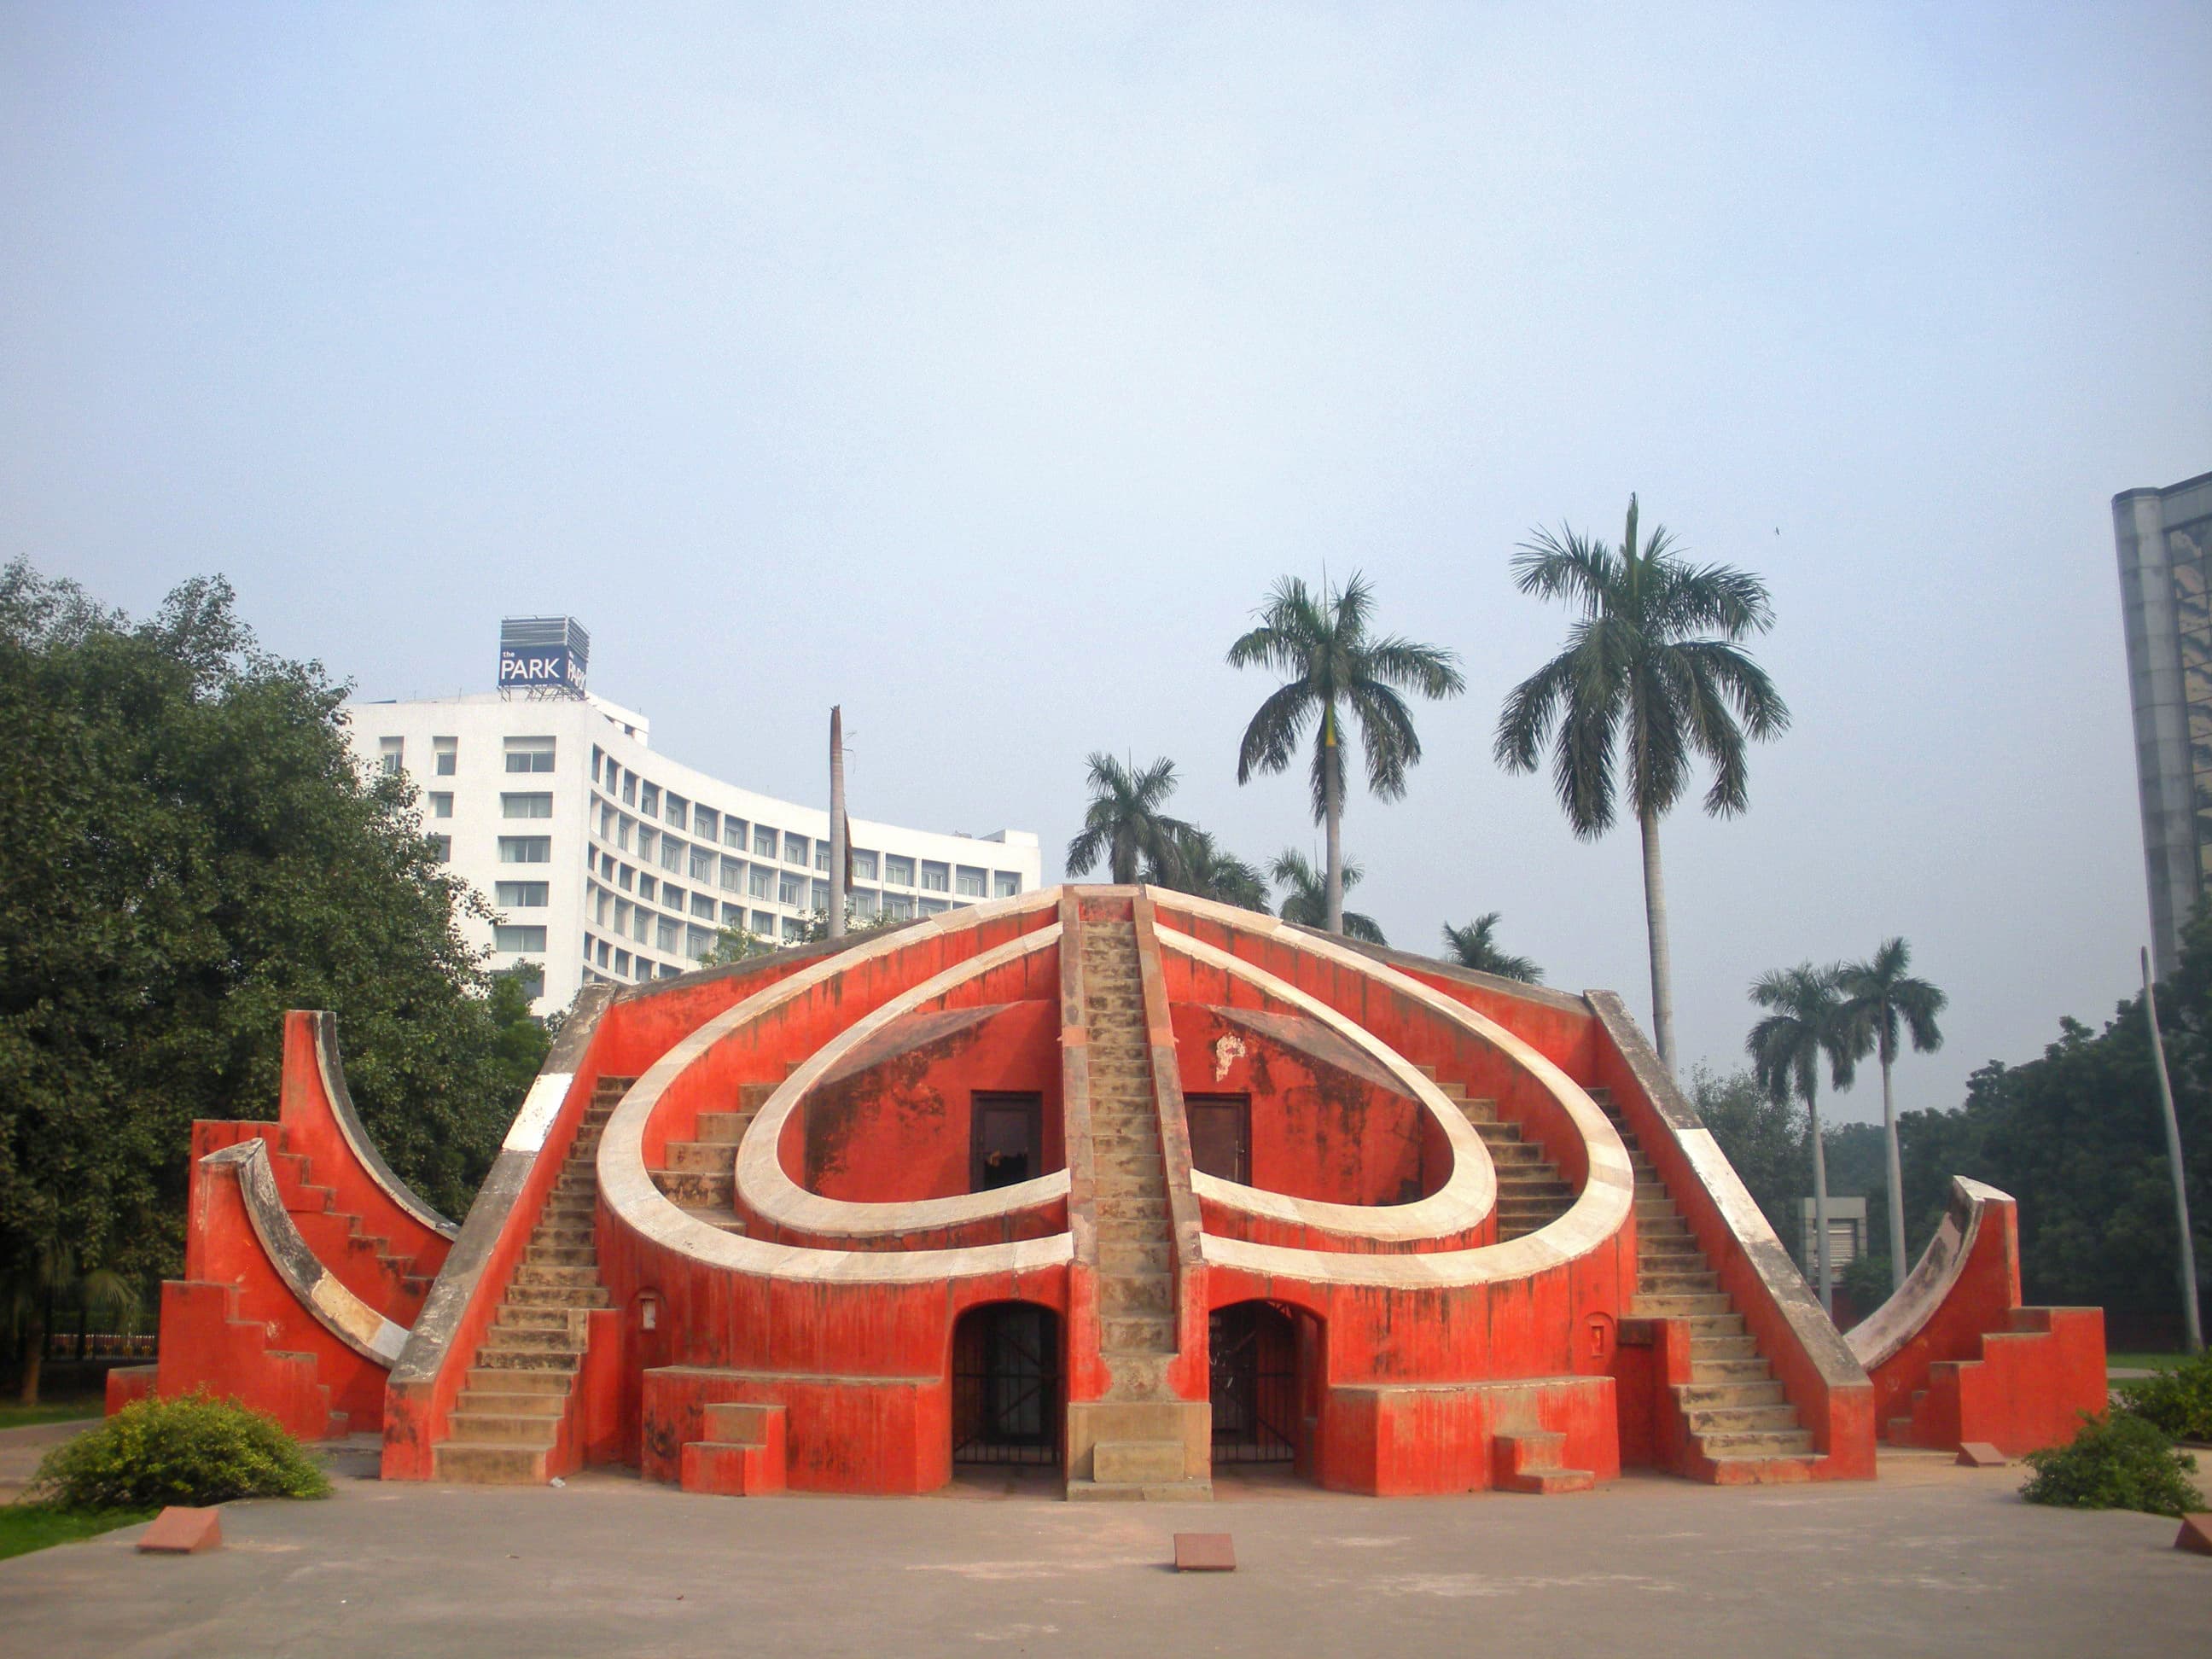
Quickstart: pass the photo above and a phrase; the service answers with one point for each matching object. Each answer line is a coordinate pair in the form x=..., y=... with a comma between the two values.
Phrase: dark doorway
x=1007, y=1143
x=1221, y=1134
x=1005, y=1385
x=1255, y=1384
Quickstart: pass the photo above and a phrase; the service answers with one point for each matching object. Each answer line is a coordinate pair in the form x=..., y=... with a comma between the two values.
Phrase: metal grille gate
x=1005, y=1385
x=1254, y=1385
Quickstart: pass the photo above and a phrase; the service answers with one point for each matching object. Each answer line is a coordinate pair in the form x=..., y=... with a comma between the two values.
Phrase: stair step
x=1795, y=1444
x=487, y=1463
x=531, y=1429
x=1705, y=1421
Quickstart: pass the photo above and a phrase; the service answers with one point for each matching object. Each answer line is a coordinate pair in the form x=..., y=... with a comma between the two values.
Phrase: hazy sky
x=980, y=368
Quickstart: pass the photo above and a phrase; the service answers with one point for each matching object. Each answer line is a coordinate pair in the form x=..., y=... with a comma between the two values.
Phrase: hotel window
x=648, y=839
x=764, y=840
x=900, y=905
x=795, y=931
x=760, y=882
x=519, y=939
x=764, y=924
x=390, y=752
x=604, y=948
x=523, y=895
x=733, y=915
x=671, y=852
x=698, y=941
x=596, y=759
x=898, y=871
x=526, y=807
x=531, y=979
x=606, y=822
x=641, y=924
x=863, y=865
x=665, y=935
x=821, y=854
x=734, y=833
x=702, y=905
x=622, y=961
x=649, y=800
x=529, y=754
x=791, y=890
x=526, y=850
x=445, y=751
x=671, y=896
x=706, y=823
x=629, y=789
x=703, y=864
x=866, y=902
x=623, y=908
x=1006, y=883
x=599, y=911
x=647, y=887
x=441, y=849
x=623, y=877
x=733, y=875
x=794, y=849
x=621, y=832
x=969, y=884
x=442, y=805
x=930, y=907
x=822, y=896
x=679, y=812
x=935, y=878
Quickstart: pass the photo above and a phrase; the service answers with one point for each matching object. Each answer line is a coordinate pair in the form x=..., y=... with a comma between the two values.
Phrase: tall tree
x=1804, y=1024
x=1321, y=641
x=1204, y=867
x=1305, y=897
x=1475, y=945
x=1884, y=1002
x=187, y=849
x=1652, y=669
x=1124, y=823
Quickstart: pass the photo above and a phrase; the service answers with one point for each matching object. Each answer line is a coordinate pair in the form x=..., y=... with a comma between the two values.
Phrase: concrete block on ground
x=178, y=1530
x=2196, y=1534
x=1980, y=1454
x=1205, y=1551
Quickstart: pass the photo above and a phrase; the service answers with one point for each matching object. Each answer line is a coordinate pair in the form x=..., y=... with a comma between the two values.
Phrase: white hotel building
x=604, y=860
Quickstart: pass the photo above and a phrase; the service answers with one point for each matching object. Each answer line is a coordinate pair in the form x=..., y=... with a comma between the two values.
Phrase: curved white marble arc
x=1898, y=1320
x=1598, y=1210
x=1468, y=1196
x=629, y=1192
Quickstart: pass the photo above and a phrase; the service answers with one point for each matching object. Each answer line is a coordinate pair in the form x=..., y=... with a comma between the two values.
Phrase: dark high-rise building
x=2165, y=542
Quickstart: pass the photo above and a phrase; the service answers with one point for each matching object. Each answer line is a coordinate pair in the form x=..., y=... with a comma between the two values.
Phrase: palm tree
x=1881, y=1000
x=49, y=1270
x=1206, y=868
x=1475, y=946
x=1124, y=823
x=1653, y=665
x=1806, y=1021
x=1320, y=641
x=1307, y=899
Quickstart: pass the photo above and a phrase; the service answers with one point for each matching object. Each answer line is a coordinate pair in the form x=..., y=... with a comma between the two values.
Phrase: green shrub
x=2179, y=1401
x=192, y=1450
x=2116, y=1462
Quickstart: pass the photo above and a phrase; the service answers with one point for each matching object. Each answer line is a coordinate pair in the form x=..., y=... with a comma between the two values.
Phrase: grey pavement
x=1930, y=1560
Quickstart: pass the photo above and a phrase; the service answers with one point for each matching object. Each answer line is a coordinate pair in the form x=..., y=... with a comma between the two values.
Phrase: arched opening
x=1007, y=1400
x=1264, y=1376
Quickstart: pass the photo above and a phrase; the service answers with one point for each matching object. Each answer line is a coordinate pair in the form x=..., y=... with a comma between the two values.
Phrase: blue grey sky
x=979, y=367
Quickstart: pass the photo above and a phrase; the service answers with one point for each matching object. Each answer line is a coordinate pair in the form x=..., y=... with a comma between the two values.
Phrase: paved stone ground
x=1932, y=1560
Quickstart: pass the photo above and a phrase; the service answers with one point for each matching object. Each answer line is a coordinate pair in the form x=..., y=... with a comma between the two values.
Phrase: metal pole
x=837, y=836
x=2193, y=1329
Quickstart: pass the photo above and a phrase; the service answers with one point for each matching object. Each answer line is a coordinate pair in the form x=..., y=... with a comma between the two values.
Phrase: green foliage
x=2176, y=1402
x=735, y=944
x=1475, y=945
x=1865, y=1278
x=193, y=1450
x=2076, y=1136
x=1764, y=1139
x=1201, y=866
x=187, y=849
x=1305, y=897
x=27, y=1527
x=2116, y=1462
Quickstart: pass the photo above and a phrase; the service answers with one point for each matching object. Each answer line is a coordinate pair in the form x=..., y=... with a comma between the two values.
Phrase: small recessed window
x=666, y=934
x=629, y=789
x=524, y=806
x=764, y=924
x=933, y=906
x=679, y=812
x=526, y=850
x=705, y=824
x=900, y=905
x=734, y=833
x=671, y=896
x=764, y=842
x=866, y=902
x=703, y=864
x=523, y=895
x=441, y=849
x=733, y=875
x=446, y=751
x=649, y=800
x=864, y=865
x=622, y=876
x=935, y=878
x=791, y=890
x=647, y=887
x=505, y=937
x=529, y=754
x=970, y=883
x=898, y=871
x=671, y=852
x=391, y=755
x=733, y=915
x=794, y=849
x=648, y=841
x=759, y=882
x=441, y=806
x=702, y=905
x=1006, y=883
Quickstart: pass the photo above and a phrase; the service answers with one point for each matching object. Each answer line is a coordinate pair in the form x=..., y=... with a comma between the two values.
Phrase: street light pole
x=2192, y=1329
x=839, y=850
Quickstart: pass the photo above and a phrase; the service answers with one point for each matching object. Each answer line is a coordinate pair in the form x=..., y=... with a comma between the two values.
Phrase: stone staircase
x=1530, y=1191
x=364, y=1262
x=507, y=1423
x=701, y=1176
x=1737, y=1416
x=1141, y=1452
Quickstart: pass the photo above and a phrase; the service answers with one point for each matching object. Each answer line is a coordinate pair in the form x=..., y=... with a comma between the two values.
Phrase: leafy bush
x=192, y=1450
x=2116, y=1462
x=2179, y=1401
